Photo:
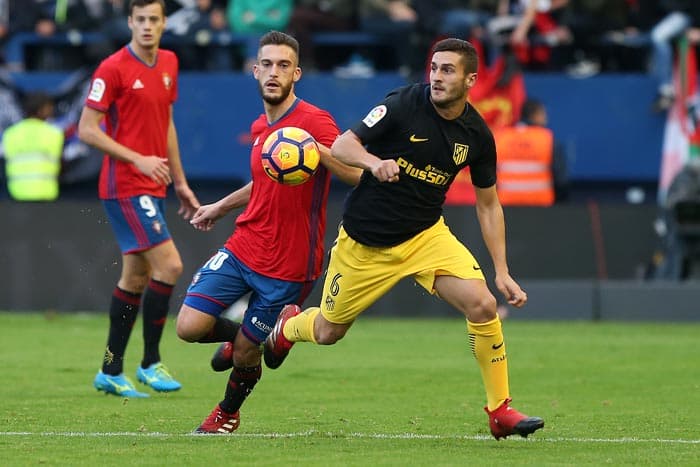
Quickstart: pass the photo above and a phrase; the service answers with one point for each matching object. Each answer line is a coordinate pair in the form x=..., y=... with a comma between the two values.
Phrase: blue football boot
x=158, y=377
x=118, y=385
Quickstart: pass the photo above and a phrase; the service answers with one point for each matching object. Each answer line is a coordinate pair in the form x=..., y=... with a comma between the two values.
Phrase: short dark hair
x=34, y=102
x=141, y=3
x=530, y=108
x=279, y=38
x=463, y=48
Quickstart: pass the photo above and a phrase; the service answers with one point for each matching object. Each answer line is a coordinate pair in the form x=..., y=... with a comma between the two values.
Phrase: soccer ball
x=290, y=156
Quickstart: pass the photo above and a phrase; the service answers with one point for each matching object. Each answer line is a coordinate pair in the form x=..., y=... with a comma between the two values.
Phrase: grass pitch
x=393, y=392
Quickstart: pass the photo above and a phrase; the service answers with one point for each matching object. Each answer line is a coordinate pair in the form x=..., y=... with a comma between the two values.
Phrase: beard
x=276, y=99
x=446, y=101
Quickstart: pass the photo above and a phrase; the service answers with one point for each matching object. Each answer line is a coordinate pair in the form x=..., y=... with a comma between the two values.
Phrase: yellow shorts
x=359, y=275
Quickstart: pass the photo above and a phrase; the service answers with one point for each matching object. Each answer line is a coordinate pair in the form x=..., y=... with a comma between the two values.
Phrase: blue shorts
x=224, y=279
x=138, y=222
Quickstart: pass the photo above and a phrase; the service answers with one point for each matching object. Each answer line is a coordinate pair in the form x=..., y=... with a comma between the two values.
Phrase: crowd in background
x=578, y=37
x=582, y=37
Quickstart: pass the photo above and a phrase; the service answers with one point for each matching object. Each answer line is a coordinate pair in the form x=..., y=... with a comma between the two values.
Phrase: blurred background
x=598, y=97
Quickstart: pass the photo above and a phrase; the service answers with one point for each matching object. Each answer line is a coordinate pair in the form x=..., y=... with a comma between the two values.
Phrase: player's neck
x=274, y=112
x=451, y=111
x=147, y=55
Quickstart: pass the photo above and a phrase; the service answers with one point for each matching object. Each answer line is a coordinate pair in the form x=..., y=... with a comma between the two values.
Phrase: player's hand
x=386, y=170
x=519, y=36
x=206, y=216
x=156, y=168
x=511, y=290
x=188, y=201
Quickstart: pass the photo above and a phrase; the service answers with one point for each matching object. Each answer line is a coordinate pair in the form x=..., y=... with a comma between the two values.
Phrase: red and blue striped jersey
x=281, y=232
x=136, y=100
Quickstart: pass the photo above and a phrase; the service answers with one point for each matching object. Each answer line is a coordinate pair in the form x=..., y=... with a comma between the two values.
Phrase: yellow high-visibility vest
x=33, y=151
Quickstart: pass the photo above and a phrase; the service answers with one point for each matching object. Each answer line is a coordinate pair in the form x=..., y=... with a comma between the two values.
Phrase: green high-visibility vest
x=33, y=150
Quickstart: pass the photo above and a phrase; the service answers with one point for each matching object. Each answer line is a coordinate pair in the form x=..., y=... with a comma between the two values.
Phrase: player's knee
x=169, y=272
x=184, y=332
x=172, y=271
x=188, y=328
x=483, y=310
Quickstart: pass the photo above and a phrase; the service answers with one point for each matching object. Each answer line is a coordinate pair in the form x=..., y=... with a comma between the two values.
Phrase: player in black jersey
x=411, y=146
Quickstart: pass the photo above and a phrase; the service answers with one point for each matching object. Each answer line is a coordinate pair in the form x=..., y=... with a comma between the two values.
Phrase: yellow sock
x=301, y=327
x=486, y=340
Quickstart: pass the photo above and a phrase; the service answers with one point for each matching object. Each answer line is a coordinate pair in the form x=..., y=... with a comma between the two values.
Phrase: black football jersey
x=429, y=151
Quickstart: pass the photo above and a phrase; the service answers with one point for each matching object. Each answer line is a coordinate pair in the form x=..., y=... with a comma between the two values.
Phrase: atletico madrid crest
x=460, y=154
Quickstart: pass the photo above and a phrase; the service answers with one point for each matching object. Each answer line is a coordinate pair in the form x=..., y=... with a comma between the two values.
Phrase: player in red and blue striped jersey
x=276, y=249
x=133, y=91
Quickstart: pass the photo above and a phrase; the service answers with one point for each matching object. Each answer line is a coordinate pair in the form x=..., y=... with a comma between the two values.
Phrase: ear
x=470, y=80
x=297, y=74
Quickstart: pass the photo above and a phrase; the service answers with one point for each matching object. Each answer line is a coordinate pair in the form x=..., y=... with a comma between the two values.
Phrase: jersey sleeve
x=176, y=66
x=104, y=88
x=483, y=168
x=324, y=129
x=379, y=120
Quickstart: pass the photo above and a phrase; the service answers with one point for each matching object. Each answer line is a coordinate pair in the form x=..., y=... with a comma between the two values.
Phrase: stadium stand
x=20, y=45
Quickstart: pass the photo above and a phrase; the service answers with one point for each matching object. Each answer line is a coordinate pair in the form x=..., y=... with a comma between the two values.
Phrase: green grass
x=393, y=392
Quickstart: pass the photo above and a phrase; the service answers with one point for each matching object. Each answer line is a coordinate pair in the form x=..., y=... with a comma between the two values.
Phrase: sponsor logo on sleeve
x=97, y=90
x=375, y=115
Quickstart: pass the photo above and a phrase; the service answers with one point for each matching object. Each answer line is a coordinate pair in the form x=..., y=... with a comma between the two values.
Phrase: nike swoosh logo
x=118, y=387
x=496, y=347
x=150, y=379
x=415, y=139
x=476, y=268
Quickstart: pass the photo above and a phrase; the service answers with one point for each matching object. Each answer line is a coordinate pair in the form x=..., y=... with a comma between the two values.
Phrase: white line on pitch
x=304, y=434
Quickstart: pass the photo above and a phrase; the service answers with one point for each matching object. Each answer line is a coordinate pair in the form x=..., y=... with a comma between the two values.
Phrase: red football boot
x=222, y=359
x=506, y=421
x=276, y=345
x=219, y=422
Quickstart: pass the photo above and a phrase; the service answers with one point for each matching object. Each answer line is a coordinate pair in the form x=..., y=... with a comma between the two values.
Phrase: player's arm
x=207, y=215
x=519, y=34
x=346, y=173
x=349, y=150
x=188, y=201
x=492, y=223
x=90, y=132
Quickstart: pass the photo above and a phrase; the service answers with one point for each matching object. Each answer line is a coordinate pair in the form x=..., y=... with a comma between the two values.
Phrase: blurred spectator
x=535, y=29
x=33, y=150
x=259, y=16
x=50, y=19
x=395, y=22
x=255, y=18
x=311, y=16
x=203, y=28
x=31, y=16
x=89, y=16
x=679, y=227
x=627, y=46
x=4, y=27
x=464, y=19
x=680, y=17
x=114, y=23
x=589, y=21
x=531, y=167
x=10, y=107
